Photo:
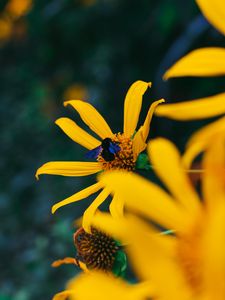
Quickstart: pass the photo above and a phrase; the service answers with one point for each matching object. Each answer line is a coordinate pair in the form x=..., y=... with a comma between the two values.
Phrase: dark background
x=94, y=50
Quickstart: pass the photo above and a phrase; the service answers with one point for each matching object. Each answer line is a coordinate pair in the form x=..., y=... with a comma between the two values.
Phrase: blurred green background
x=57, y=50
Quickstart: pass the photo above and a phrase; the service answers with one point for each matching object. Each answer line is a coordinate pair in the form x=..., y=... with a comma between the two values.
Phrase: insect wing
x=114, y=148
x=94, y=153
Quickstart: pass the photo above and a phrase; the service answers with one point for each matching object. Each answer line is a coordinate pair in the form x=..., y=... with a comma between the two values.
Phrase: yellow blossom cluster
x=174, y=236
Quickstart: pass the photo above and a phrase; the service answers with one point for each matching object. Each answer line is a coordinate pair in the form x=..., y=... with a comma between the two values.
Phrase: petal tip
x=166, y=76
x=37, y=175
x=54, y=209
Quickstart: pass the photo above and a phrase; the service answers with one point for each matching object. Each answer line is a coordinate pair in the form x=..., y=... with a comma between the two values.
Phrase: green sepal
x=120, y=264
x=143, y=162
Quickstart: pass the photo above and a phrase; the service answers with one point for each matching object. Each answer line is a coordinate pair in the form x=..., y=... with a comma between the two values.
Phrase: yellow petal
x=69, y=168
x=132, y=106
x=192, y=152
x=90, y=211
x=63, y=295
x=167, y=164
x=214, y=12
x=116, y=206
x=138, y=144
x=139, y=141
x=70, y=260
x=77, y=134
x=66, y=260
x=151, y=255
x=200, y=139
x=146, y=126
x=78, y=196
x=214, y=175
x=100, y=285
x=201, y=62
x=194, y=109
x=213, y=254
x=146, y=198
x=91, y=117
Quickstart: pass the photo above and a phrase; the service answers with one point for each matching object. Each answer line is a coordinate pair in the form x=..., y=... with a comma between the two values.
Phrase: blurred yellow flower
x=128, y=145
x=208, y=61
x=99, y=286
x=76, y=91
x=190, y=263
x=5, y=28
x=18, y=8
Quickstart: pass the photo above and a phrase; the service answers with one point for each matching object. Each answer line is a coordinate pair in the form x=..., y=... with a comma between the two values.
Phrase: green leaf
x=143, y=162
x=120, y=264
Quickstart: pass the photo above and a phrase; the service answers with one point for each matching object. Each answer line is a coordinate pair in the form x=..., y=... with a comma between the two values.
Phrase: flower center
x=189, y=257
x=123, y=159
x=97, y=250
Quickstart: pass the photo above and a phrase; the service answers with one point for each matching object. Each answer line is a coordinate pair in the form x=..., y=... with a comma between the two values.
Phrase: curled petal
x=66, y=260
x=139, y=144
x=91, y=117
x=146, y=126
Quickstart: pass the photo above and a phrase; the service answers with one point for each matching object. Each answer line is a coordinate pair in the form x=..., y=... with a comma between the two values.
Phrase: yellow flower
x=205, y=62
x=76, y=91
x=5, y=28
x=98, y=286
x=190, y=263
x=130, y=144
x=19, y=8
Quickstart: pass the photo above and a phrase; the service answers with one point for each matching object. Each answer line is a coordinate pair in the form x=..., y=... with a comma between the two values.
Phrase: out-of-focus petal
x=63, y=295
x=167, y=164
x=194, y=109
x=91, y=117
x=201, y=139
x=78, y=196
x=70, y=260
x=132, y=106
x=150, y=253
x=90, y=211
x=201, y=62
x=69, y=168
x=214, y=12
x=77, y=134
x=146, y=198
x=116, y=206
x=101, y=286
x=213, y=254
x=63, y=261
x=214, y=174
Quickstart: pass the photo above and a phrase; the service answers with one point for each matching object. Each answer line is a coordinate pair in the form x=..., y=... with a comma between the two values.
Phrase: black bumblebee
x=107, y=150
